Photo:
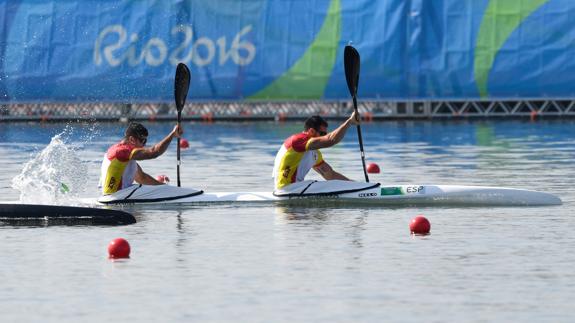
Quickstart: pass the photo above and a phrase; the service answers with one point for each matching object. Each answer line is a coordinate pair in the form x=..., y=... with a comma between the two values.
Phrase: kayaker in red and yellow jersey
x=119, y=167
x=300, y=152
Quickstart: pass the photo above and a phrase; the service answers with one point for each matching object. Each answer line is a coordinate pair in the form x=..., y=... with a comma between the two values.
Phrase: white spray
x=56, y=175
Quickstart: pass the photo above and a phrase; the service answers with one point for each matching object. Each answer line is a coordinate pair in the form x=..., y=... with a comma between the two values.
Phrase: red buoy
x=420, y=225
x=184, y=144
x=372, y=168
x=119, y=248
x=163, y=179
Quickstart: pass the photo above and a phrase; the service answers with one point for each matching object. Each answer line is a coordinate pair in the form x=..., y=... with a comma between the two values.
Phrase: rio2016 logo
x=155, y=51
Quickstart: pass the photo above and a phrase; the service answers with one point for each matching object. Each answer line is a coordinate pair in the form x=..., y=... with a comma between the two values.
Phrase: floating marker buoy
x=420, y=225
x=184, y=144
x=163, y=179
x=372, y=168
x=119, y=248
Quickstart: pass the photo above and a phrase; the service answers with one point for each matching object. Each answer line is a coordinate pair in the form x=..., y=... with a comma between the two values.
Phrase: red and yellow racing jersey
x=118, y=168
x=294, y=160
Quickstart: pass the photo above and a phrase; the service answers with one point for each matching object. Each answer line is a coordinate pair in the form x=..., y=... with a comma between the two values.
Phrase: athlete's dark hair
x=136, y=130
x=314, y=122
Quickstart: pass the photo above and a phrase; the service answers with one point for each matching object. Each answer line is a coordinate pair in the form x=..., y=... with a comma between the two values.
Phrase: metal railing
x=284, y=110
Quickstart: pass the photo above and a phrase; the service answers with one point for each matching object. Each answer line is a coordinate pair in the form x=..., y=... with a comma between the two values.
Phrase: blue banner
x=126, y=51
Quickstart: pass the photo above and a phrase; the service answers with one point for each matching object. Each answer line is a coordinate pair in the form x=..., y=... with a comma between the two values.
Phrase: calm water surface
x=271, y=263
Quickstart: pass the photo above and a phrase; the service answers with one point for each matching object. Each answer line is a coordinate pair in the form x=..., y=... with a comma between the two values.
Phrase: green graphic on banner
x=308, y=77
x=501, y=18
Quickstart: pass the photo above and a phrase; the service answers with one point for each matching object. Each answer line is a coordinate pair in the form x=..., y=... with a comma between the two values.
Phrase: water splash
x=83, y=130
x=56, y=175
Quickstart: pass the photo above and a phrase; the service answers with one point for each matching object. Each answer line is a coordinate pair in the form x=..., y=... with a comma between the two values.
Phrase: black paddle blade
x=351, y=62
x=181, y=85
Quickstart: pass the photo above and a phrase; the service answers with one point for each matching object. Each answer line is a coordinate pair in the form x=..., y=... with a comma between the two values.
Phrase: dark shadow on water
x=37, y=215
x=50, y=222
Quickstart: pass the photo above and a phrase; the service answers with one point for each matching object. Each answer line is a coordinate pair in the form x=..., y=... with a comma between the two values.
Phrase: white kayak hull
x=373, y=194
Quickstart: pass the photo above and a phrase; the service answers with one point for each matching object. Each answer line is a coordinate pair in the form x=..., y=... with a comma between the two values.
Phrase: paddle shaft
x=181, y=86
x=351, y=62
x=178, y=150
x=360, y=141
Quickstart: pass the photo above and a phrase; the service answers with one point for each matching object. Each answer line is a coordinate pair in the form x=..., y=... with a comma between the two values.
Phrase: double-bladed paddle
x=351, y=62
x=181, y=87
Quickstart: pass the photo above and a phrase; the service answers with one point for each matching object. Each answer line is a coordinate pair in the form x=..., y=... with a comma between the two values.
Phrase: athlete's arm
x=159, y=148
x=144, y=178
x=333, y=137
x=325, y=170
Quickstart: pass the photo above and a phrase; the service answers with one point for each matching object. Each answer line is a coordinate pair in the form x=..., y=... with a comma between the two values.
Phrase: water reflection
x=297, y=214
x=328, y=219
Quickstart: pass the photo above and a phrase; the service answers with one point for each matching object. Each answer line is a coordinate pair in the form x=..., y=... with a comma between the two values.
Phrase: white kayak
x=341, y=192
